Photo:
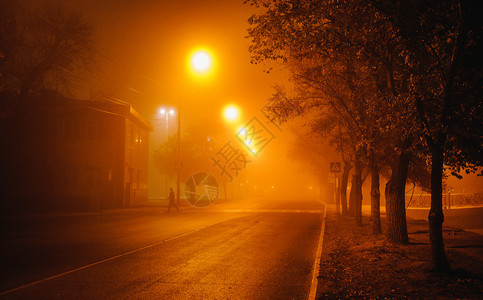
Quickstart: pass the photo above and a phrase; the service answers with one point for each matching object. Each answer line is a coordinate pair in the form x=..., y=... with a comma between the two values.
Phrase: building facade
x=69, y=154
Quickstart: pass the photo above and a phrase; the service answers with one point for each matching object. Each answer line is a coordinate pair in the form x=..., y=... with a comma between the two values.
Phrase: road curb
x=318, y=257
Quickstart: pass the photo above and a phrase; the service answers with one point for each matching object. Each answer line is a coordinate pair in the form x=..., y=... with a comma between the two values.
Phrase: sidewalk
x=357, y=264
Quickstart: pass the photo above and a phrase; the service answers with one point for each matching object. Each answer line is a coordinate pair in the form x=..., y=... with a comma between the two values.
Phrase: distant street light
x=231, y=113
x=167, y=113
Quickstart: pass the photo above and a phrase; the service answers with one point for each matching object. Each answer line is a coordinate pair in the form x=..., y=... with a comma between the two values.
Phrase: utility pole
x=178, y=163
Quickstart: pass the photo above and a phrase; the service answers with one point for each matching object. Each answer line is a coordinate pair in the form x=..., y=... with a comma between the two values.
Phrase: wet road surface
x=252, y=249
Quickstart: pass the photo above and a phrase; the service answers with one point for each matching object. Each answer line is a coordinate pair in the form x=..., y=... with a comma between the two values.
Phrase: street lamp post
x=166, y=113
x=178, y=162
x=200, y=64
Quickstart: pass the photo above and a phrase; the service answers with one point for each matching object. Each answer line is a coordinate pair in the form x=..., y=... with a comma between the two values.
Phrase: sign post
x=335, y=168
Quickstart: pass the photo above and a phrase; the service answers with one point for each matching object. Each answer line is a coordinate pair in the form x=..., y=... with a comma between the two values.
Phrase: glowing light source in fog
x=164, y=112
x=246, y=137
x=231, y=113
x=201, y=61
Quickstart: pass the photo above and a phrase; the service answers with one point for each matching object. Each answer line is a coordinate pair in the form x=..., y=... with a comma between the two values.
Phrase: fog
x=141, y=59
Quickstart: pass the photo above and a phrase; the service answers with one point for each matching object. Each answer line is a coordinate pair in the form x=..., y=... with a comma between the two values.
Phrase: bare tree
x=48, y=48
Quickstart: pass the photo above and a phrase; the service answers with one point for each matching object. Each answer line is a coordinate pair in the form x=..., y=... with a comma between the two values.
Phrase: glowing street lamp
x=167, y=113
x=201, y=61
x=247, y=139
x=231, y=113
x=200, y=64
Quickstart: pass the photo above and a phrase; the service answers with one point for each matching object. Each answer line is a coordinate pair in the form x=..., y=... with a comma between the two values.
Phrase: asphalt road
x=249, y=249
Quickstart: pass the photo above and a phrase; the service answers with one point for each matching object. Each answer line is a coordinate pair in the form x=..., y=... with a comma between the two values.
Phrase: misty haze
x=242, y=149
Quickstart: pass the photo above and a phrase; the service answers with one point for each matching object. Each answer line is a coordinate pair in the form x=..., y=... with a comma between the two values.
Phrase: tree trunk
x=352, y=206
x=375, y=196
x=343, y=188
x=356, y=190
x=436, y=217
x=352, y=197
x=396, y=200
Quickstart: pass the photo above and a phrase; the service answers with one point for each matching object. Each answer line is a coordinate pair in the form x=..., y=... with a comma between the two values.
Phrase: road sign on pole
x=334, y=167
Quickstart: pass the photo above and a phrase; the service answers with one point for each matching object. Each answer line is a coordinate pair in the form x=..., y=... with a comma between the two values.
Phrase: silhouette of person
x=171, y=200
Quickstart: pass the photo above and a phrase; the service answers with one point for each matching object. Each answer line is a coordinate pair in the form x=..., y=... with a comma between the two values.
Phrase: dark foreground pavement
x=248, y=251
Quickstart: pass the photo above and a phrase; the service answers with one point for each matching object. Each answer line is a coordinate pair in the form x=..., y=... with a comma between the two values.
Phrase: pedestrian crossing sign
x=334, y=167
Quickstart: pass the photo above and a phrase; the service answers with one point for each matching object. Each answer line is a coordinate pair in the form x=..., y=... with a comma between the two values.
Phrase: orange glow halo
x=201, y=62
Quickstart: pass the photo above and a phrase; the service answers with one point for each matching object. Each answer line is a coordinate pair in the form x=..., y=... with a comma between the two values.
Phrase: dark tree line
x=398, y=82
x=42, y=49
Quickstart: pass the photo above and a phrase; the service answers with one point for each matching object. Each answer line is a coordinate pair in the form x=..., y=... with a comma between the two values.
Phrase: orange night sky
x=143, y=49
x=141, y=59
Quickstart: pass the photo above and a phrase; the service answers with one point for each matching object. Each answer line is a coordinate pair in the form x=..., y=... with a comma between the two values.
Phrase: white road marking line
x=318, y=257
x=98, y=262
x=170, y=239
